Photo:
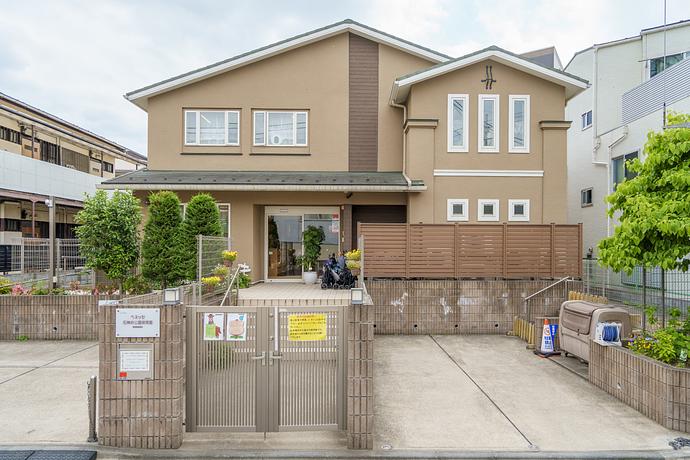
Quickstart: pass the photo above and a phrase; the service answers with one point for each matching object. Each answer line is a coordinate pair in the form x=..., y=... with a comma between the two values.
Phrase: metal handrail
x=550, y=286
x=234, y=279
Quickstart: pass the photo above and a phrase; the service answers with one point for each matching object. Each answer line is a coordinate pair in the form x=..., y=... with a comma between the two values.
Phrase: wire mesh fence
x=210, y=265
x=664, y=290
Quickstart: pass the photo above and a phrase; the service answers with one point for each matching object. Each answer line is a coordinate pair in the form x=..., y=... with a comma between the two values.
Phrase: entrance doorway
x=265, y=368
x=284, y=246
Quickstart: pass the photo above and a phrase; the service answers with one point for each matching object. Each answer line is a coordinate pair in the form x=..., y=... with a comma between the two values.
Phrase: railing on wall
x=472, y=250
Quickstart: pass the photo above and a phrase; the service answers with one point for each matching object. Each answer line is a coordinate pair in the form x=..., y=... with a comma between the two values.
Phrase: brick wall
x=360, y=377
x=458, y=306
x=657, y=390
x=142, y=413
x=49, y=317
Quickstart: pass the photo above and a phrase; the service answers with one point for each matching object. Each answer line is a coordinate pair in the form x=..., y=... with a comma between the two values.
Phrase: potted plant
x=229, y=257
x=312, y=238
x=352, y=260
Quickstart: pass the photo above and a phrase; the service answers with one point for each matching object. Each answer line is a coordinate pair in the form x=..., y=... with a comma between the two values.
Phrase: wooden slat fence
x=510, y=251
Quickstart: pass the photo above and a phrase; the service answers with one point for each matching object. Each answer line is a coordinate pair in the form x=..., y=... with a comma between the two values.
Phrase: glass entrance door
x=284, y=227
x=284, y=246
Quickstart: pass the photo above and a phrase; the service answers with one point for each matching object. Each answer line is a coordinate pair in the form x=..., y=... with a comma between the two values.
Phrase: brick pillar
x=142, y=413
x=360, y=377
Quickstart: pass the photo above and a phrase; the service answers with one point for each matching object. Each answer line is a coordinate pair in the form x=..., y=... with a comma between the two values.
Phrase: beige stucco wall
x=429, y=100
x=312, y=78
x=393, y=63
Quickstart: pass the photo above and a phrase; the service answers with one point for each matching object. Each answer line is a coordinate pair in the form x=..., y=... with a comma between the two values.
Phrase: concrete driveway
x=489, y=393
x=43, y=391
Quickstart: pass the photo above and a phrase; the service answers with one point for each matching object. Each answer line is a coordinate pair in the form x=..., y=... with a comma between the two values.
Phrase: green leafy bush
x=670, y=344
x=137, y=285
x=161, y=259
x=5, y=286
x=201, y=218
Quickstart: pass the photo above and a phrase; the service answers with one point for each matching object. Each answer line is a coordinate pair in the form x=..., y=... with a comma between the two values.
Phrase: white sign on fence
x=138, y=322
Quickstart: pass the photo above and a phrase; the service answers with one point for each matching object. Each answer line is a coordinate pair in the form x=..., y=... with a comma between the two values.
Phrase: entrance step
x=292, y=294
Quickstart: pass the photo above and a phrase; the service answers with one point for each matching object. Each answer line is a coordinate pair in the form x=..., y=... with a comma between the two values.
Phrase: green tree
x=159, y=250
x=108, y=233
x=201, y=218
x=654, y=206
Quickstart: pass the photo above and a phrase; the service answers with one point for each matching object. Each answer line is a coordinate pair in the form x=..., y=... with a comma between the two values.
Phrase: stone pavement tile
x=38, y=353
x=423, y=401
x=45, y=405
x=554, y=408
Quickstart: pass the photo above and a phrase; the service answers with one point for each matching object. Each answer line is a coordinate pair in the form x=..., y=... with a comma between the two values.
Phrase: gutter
x=261, y=188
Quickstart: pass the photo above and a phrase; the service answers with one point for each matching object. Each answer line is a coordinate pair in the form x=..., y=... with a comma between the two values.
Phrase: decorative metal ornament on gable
x=489, y=80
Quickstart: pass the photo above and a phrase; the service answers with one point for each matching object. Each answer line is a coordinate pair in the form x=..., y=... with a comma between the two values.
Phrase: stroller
x=336, y=277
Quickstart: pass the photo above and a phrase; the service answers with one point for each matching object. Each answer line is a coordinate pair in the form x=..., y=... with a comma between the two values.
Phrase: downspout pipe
x=595, y=95
x=404, y=139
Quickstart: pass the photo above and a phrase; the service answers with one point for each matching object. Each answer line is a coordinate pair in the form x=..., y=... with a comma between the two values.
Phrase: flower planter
x=657, y=390
x=309, y=277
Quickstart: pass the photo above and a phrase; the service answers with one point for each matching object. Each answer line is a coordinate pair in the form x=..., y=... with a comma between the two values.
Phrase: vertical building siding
x=363, y=104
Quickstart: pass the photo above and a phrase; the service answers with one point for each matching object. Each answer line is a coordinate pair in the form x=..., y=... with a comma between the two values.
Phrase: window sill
x=590, y=205
x=237, y=154
x=280, y=154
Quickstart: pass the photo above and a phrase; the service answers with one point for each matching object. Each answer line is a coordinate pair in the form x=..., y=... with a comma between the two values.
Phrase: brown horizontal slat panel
x=471, y=250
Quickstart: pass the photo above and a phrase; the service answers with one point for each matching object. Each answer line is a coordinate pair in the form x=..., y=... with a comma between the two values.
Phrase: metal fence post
x=663, y=298
x=644, y=299
x=199, y=258
x=91, y=395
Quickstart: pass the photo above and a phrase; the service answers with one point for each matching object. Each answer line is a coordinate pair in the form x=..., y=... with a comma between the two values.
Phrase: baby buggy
x=335, y=276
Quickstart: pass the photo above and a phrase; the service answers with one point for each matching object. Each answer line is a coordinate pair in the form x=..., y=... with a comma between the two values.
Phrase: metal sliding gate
x=265, y=368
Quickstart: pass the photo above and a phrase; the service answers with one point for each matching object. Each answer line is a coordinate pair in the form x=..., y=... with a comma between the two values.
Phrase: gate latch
x=272, y=356
x=261, y=357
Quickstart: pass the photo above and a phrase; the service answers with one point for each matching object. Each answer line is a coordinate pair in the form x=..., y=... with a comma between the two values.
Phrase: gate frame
x=267, y=409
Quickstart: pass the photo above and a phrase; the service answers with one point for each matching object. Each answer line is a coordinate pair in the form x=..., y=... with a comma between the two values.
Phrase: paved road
x=43, y=390
x=489, y=393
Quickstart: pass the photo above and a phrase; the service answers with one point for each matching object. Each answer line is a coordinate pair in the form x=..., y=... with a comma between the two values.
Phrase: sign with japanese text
x=137, y=322
x=307, y=327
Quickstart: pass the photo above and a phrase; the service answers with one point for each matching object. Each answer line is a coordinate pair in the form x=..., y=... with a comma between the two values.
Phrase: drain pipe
x=404, y=139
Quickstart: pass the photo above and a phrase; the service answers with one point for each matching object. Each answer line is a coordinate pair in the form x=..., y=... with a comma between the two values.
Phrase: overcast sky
x=77, y=58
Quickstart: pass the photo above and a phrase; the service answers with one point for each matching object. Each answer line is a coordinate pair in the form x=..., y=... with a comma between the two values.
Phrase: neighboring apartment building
x=611, y=119
x=41, y=156
x=347, y=124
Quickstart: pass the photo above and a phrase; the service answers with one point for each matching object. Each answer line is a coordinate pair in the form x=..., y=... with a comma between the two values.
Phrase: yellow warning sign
x=307, y=327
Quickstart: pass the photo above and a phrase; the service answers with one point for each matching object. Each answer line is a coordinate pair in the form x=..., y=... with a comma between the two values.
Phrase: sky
x=76, y=58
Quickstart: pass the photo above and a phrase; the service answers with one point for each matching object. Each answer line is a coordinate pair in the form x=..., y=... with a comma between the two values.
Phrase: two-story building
x=348, y=124
x=43, y=156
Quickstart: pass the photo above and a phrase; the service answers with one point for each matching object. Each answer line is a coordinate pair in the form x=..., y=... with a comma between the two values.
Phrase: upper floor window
x=518, y=210
x=212, y=127
x=586, y=120
x=518, y=128
x=621, y=168
x=458, y=108
x=10, y=135
x=488, y=123
x=657, y=65
x=586, y=197
x=280, y=128
x=108, y=167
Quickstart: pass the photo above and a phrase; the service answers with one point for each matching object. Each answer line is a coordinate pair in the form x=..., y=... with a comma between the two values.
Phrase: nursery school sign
x=137, y=322
x=307, y=327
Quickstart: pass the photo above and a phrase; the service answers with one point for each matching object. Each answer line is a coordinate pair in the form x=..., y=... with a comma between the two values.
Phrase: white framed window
x=458, y=122
x=518, y=127
x=458, y=210
x=487, y=210
x=488, y=123
x=586, y=120
x=212, y=127
x=586, y=197
x=518, y=210
x=280, y=128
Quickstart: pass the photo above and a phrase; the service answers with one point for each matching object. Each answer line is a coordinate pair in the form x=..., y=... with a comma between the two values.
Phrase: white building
x=612, y=117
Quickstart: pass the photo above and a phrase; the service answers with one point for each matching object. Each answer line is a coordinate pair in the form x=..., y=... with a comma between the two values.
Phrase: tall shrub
x=201, y=218
x=654, y=207
x=108, y=233
x=160, y=253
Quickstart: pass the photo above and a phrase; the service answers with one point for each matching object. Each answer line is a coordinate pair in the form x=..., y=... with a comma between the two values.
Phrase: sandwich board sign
x=137, y=322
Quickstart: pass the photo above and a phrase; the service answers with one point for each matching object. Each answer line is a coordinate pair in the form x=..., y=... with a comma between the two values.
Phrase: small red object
x=123, y=374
